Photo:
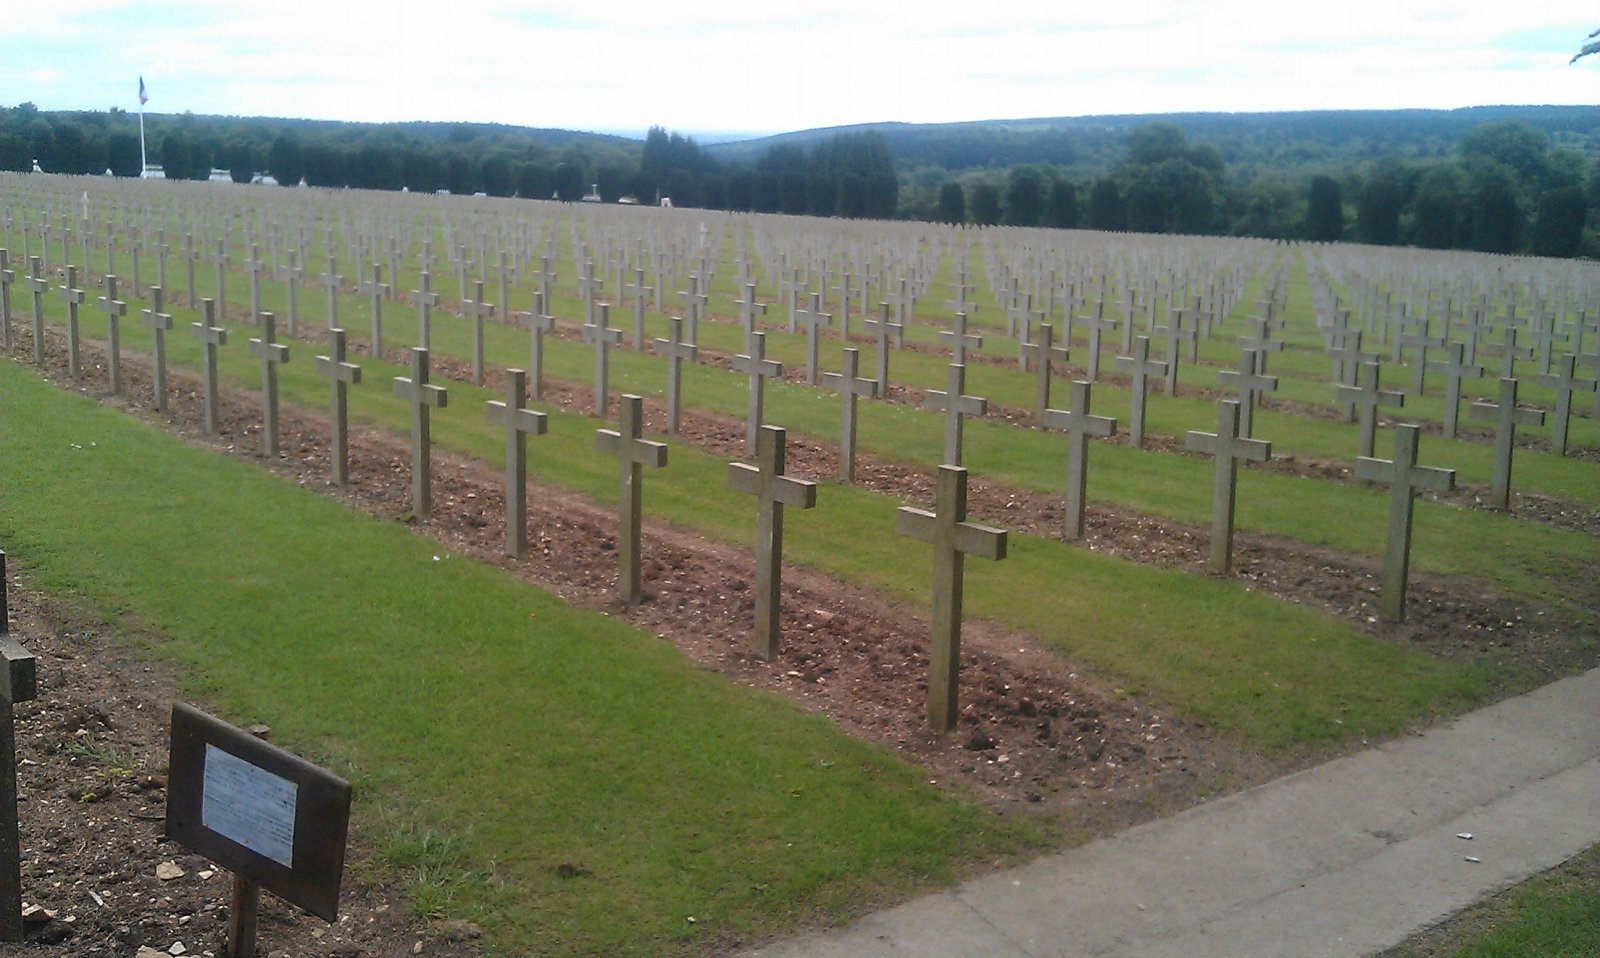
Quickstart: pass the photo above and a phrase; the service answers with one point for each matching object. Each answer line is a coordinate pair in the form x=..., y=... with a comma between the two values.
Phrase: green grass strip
x=460, y=700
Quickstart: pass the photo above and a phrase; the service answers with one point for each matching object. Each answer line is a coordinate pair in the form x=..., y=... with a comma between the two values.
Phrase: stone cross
x=73, y=297
x=538, y=325
x=1416, y=337
x=1344, y=348
x=1141, y=366
x=159, y=323
x=519, y=423
x=1040, y=353
x=114, y=309
x=254, y=267
x=849, y=386
x=1565, y=382
x=37, y=285
x=676, y=351
x=376, y=289
x=1251, y=383
x=633, y=454
x=759, y=369
x=292, y=272
x=773, y=490
x=1260, y=341
x=341, y=375
x=1079, y=425
x=1455, y=369
x=1403, y=475
x=1175, y=334
x=191, y=255
x=1507, y=417
x=18, y=683
x=602, y=337
x=959, y=339
x=424, y=398
x=588, y=287
x=811, y=318
x=7, y=277
x=426, y=301
x=476, y=310
x=748, y=310
x=884, y=330
x=844, y=289
x=1508, y=352
x=1367, y=397
x=210, y=336
x=267, y=349
x=330, y=281
x=220, y=260
x=638, y=291
x=953, y=539
x=1228, y=447
x=956, y=406
x=1097, y=325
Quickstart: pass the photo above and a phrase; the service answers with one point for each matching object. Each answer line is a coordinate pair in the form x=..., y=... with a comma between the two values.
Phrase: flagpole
x=144, y=165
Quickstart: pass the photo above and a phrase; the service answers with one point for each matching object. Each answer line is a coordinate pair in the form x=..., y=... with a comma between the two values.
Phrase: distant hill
x=1090, y=143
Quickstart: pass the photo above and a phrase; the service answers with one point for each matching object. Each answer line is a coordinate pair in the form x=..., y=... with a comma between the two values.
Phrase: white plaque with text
x=249, y=805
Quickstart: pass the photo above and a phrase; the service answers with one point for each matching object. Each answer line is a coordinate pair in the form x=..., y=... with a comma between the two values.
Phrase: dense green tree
x=1496, y=213
x=1061, y=211
x=495, y=175
x=1269, y=208
x=1558, y=224
x=792, y=186
x=122, y=153
x=1156, y=143
x=741, y=190
x=985, y=206
x=852, y=196
x=567, y=182
x=883, y=195
x=374, y=167
x=461, y=173
x=1324, y=211
x=765, y=195
x=952, y=203
x=1508, y=142
x=822, y=193
x=286, y=160
x=1023, y=204
x=536, y=180
x=1105, y=206
x=325, y=165
x=1378, y=210
x=14, y=154
x=239, y=159
x=1173, y=196
x=1436, y=217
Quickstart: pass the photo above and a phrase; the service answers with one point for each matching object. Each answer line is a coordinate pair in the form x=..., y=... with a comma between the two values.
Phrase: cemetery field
x=576, y=773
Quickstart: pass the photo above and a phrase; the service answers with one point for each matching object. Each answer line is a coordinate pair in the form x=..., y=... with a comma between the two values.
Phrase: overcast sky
x=749, y=66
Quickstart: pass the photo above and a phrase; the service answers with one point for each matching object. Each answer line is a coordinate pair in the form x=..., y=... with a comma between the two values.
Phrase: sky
x=743, y=66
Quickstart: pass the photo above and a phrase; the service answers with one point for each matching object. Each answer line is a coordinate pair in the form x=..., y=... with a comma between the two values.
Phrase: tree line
x=1505, y=186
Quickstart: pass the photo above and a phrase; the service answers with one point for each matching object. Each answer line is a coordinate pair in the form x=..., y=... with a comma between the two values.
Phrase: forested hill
x=1092, y=144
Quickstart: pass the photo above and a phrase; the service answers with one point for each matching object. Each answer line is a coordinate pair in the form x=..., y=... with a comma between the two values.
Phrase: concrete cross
x=210, y=336
x=504, y=272
x=1507, y=417
x=1415, y=336
x=190, y=256
x=538, y=324
x=759, y=369
x=956, y=406
x=341, y=375
x=959, y=301
x=266, y=348
x=1455, y=369
x=1041, y=353
x=546, y=276
x=1402, y=475
x=959, y=339
x=633, y=454
x=1251, y=383
x=676, y=351
x=1545, y=335
x=114, y=310
x=476, y=311
x=7, y=277
x=1260, y=340
x=844, y=289
x=1344, y=348
x=519, y=423
x=1140, y=366
x=1565, y=382
x=773, y=490
x=1079, y=425
x=1175, y=334
x=748, y=310
x=789, y=287
x=426, y=301
x=220, y=260
x=375, y=289
x=849, y=386
x=1508, y=352
x=292, y=273
x=1019, y=315
x=812, y=318
x=159, y=323
x=330, y=280
x=884, y=329
x=588, y=288
x=253, y=266
x=1366, y=397
x=423, y=398
x=1228, y=447
x=637, y=290
x=602, y=337
x=73, y=297
x=1097, y=325
x=953, y=539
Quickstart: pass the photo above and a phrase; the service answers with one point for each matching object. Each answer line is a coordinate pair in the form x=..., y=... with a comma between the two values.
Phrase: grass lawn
x=492, y=732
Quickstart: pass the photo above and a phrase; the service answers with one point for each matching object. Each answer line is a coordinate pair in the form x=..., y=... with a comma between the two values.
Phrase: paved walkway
x=1345, y=859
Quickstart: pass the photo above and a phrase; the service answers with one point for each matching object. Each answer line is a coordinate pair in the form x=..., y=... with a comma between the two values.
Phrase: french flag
x=143, y=96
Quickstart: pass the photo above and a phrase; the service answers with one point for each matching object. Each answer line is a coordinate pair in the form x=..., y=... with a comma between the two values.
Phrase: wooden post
x=952, y=538
x=242, y=913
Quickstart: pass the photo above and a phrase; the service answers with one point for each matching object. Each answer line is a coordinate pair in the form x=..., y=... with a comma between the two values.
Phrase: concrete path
x=1344, y=859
